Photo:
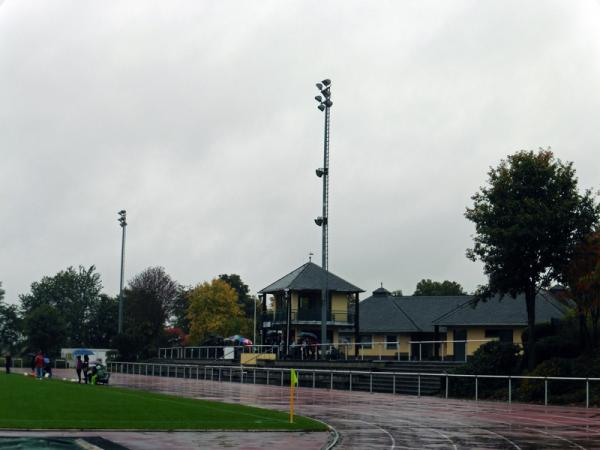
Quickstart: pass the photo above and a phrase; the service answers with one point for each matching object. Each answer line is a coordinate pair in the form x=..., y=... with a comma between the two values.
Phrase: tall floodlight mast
x=325, y=104
x=123, y=223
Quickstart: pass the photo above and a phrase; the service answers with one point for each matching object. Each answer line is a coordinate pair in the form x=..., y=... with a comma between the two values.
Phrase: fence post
x=314, y=379
x=446, y=385
x=350, y=381
x=545, y=391
x=219, y=374
x=509, y=390
x=254, y=374
x=331, y=380
x=281, y=377
x=418, y=385
x=241, y=375
x=476, y=388
x=371, y=382
x=587, y=393
x=267, y=376
x=420, y=351
x=230, y=374
x=394, y=384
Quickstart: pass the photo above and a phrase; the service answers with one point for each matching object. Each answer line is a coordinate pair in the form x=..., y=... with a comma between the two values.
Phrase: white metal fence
x=17, y=363
x=351, y=380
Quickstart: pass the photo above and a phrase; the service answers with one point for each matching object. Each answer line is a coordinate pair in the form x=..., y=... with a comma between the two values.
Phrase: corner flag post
x=293, y=383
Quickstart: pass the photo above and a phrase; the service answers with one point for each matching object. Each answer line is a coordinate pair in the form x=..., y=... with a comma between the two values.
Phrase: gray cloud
x=198, y=118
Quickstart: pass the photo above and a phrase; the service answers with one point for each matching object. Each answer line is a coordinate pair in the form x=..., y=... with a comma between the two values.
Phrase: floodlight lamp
x=319, y=98
x=327, y=82
x=320, y=172
x=319, y=221
x=321, y=107
x=122, y=212
x=328, y=103
x=319, y=86
x=326, y=92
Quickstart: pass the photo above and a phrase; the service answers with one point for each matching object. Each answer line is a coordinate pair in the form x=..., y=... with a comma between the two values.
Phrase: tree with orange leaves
x=583, y=280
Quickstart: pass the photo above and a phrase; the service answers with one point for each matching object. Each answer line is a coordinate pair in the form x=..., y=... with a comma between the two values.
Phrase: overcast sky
x=198, y=118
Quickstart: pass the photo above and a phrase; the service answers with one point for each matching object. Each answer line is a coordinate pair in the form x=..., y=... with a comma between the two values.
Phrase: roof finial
x=310, y=255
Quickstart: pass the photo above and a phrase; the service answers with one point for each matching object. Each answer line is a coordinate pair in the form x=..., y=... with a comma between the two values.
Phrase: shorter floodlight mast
x=123, y=223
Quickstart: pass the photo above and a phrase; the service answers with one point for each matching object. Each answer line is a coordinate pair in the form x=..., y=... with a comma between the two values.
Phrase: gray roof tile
x=307, y=277
x=503, y=311
x=386, y=313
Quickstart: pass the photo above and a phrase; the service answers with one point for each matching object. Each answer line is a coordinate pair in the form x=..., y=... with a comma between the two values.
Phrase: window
x=503, y=335
x=366, y=341
x=391, y=342
x=345, y=339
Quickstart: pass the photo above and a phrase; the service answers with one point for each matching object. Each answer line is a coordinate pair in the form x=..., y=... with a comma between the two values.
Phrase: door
x=460, y=348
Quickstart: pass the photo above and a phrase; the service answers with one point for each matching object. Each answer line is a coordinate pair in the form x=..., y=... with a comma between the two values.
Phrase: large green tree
x=10, y=326
x=103, y=321
x=71, y=293
x=529, y=218
x=45, y=329
x=427, y=287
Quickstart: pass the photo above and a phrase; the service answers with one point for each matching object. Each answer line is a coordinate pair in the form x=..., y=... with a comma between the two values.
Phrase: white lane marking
x=574, y=444
x=445, y=437
x=382, y=429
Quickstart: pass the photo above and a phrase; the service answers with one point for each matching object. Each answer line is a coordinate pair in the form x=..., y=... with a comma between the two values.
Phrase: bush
x=557, y=346
x=492, y=358
x=533, y=390
x=559, y=391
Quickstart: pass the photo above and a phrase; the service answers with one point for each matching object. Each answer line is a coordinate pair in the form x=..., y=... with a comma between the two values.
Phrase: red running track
x=385, y=421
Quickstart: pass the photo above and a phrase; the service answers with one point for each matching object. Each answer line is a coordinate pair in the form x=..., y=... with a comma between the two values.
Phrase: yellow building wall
x=449, y=347
x=379, y=347
x=517, y=333
x=339, y=304
x=475, y=333
x=339, y=301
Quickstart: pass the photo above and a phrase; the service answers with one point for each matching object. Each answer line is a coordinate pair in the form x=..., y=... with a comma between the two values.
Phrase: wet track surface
x=384, y=421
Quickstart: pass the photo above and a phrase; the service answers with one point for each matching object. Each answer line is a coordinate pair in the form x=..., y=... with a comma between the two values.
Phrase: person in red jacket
x=39, y=365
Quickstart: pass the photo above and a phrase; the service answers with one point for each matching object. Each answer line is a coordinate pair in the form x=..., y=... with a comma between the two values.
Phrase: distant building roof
x=380, y=292
x=503, y=311
x=386, y=313
x=309, y=277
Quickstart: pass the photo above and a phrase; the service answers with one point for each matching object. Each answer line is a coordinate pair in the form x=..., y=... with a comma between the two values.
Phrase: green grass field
x=27, y=403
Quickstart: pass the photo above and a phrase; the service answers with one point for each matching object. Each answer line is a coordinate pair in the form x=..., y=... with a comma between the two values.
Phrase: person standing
x=78, y=367
x=39, y=365
x=8, y=362
x=86, y=367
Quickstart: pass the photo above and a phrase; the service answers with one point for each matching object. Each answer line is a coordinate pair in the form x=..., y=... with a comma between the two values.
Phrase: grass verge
x=27, y=403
